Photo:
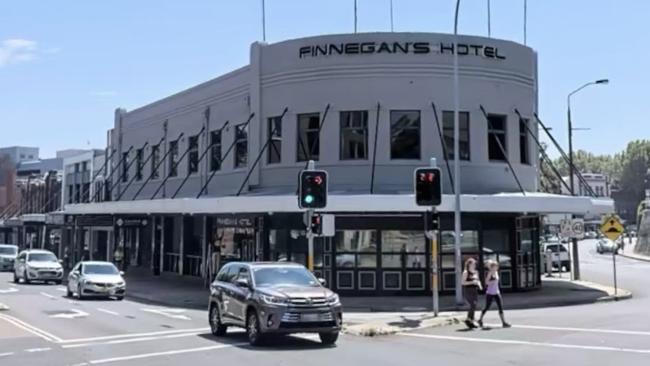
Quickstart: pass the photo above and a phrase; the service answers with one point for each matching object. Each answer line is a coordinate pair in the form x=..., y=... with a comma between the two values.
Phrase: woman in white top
x=493, y=293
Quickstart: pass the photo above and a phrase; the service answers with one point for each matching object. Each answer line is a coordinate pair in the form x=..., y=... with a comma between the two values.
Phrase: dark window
x=496, y=137
x=215, y=150
x=138, y=164
x=308, y=139
x=86, y=192
x=173, y=157
x=77, y=193
x=405, y=135
x=125, y=167
x=193, y=154
x=448, y=133
x=354, y=135
x=84, y=166
x=275, y=145
x=241, y=145
x=155, y=160
x=76, y=168
x=523, y=141
x=70, y=193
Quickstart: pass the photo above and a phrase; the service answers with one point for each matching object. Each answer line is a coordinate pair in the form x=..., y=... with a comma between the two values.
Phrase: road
x=44, y=327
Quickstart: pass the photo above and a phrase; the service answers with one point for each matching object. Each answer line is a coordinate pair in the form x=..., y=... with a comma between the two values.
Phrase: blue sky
x=66, y=65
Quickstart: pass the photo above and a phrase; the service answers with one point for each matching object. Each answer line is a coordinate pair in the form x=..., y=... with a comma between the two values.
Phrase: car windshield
x=42, y=257
x=100, y=269
x=284, y=276
x=555, y=248
x=8, y=250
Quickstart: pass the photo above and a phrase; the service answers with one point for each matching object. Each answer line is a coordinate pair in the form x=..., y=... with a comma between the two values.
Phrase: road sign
x=612, y=227
x=565, y=228
x=578, y=228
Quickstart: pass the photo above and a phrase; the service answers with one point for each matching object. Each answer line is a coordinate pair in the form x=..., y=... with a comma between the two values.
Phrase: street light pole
x=574, y=242
x=457, y=226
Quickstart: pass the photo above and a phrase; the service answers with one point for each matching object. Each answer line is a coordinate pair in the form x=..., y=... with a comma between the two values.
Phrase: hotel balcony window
x=523, y=142
x=155, y=161
x=138, y=164
x=405, y=135
x=496, y=137
x=125, y=167
x=84, y=166
x=354, y=135
x=215, y=150
x=448, y=134
x=193, y=155
x=173, y=158
x=275, y=136
x=308, y=137
x=241, y=145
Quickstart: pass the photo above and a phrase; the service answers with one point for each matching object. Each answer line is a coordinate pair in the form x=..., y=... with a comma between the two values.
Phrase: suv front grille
x=307, y=301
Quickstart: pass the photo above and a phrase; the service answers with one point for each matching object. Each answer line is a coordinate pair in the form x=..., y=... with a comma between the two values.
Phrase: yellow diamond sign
x=612, y=227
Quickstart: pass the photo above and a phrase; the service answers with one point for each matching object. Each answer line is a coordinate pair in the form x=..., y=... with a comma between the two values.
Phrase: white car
x=559, y=255
x=96, y=279
x=8, y=254
x=37, y=265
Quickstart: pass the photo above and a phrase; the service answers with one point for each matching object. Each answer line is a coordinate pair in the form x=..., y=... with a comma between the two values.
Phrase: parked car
x=37, y=265
x=273, y=298
x=96, y=279
x=559, y=254
x=8, y=254
x=591, y=235
x=605, y=245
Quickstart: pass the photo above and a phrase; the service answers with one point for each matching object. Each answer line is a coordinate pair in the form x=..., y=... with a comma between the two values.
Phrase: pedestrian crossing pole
x=434, y=268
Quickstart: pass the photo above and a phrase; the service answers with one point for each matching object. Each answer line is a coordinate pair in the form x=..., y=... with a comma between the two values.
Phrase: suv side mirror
x=121, y=273
x=60, y=261
x=242, y=282
x=323, y=282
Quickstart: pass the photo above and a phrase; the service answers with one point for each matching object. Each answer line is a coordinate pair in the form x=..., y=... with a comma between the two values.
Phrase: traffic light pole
x=434, y=256
x=310, y=235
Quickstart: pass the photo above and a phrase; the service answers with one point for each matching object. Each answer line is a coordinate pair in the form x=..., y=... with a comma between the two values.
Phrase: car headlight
x=274, y=300
x=333, y=300
x=121, y=283
x=86, y=282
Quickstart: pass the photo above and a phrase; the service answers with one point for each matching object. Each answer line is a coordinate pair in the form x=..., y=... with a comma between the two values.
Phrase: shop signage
x=123, y=222
x=418, y=48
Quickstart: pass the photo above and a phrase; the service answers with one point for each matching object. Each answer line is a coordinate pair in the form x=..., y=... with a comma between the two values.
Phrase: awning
x=541, y=203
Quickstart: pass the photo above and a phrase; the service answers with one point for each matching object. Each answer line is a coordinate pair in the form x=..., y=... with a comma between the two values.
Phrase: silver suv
x=37, y=265
x=267, y=298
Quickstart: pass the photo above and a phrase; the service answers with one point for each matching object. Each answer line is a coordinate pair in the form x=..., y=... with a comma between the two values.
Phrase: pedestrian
x=493, y=294
x=471, y=287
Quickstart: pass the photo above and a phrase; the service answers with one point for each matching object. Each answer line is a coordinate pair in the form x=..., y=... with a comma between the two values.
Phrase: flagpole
x=489, y=21
x=525, y=19
x=355, y=16
x=263, y=21
x=392, y=28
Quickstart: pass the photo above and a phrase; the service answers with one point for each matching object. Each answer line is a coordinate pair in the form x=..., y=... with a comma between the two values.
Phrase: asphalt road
x=44, y=327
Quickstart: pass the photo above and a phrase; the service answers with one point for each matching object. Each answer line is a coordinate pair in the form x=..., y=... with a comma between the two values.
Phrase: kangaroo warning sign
x=612, y=227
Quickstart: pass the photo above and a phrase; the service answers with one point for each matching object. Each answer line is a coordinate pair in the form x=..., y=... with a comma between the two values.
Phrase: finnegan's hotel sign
x=363, y=48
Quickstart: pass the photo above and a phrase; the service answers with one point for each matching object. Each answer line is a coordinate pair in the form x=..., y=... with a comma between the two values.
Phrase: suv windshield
x=284, y=276
x=42, y=257
x=555, y=248
x=8, y=250
x=100, y=269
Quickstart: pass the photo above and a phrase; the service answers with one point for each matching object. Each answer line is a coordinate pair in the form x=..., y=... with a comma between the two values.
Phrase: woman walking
x=471, y=287
x=493, y=293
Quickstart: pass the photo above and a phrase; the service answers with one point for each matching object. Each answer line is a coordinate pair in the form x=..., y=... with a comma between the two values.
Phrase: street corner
x=401, y=323
x=613, y=294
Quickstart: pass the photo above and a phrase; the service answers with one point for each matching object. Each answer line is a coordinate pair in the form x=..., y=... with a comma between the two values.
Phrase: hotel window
x=70, y=193
x=84, y=166
x=155, y=160
x=275, y=136
x=138, y=164
x=193, y=158
x=405, y=135
x=403, y=249
x=523, y=141
x=241, y=145
x=496, y=136
x=215, y=150
x=125, y=167
x=354, y=135
x=173, y=157
x=308, y=136
x=448, y=134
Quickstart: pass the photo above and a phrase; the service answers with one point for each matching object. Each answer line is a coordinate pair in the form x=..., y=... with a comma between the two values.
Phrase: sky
x=66, y=65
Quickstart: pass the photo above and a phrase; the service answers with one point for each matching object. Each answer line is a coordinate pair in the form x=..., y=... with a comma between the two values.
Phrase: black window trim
x=450, y=151
x=367, y=134
x=390, y=135
x=237, y=142
x=277, y=137
x=301, y=144
x=504, y=132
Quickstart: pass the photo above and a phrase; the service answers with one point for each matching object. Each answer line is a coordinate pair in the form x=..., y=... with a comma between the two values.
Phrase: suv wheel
x=68, y=293
x=16, y=279
x=25, y=279
x=216, y=326
x=329, y=338
x=253, y=329
x=80, y=295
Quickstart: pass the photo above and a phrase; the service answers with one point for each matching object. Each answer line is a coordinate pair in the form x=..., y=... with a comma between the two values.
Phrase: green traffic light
x=309, y=198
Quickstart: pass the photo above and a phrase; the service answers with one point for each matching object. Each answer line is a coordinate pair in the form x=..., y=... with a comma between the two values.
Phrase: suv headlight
x=274, y=300
x=334, y=300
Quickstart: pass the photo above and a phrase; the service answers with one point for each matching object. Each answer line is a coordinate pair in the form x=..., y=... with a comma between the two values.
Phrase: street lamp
x=574, y=247
x=457, y=226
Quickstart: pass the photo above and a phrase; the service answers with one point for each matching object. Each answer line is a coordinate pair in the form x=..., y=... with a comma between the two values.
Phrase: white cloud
x=103, y=93
x=17, y=50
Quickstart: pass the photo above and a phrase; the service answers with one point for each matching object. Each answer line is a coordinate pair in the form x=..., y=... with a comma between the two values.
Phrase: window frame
x=342, y=141
x=155, y=160
x=274, y=124
x=467, y=129
x=311, y=155
x=193, y=143
x=173, y=155
x=215, y=150
x=524, y=145
x=393, y=122
x=139, y=153
x=492, y=132
x=238, y=142
x=125, y=167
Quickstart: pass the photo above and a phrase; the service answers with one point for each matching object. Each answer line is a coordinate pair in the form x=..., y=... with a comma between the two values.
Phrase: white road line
x=131, y=340
x=6, y=354
x=571, y=329
x=30, y=328
x=34, y=350
x=62, y=289
x=48, y=295
x=108, y=311
x=166, y=353
x=133, y=335
x=169, y=313
x=527, y=343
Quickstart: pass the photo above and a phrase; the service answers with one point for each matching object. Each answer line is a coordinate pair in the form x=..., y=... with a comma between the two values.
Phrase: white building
x=598, y=183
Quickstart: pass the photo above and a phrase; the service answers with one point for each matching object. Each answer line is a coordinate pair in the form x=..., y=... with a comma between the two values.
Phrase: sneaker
x=470, y=324
x=480, y=323
x=506, y=325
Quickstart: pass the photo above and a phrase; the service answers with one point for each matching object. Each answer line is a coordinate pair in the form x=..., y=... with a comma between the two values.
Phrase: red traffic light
x=318, y=180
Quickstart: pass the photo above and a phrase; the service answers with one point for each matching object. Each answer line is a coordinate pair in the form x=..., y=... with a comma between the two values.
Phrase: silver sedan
x=96, y=279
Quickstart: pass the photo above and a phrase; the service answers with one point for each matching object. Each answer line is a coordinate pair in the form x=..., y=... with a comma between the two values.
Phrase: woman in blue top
x=492, y=293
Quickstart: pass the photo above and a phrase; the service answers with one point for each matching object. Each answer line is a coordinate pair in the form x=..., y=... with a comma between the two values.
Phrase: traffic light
x=316, y=224
x=428, y=187
x=312, y=191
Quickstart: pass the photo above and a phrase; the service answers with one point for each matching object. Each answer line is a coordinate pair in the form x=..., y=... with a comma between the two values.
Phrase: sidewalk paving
x=628, y=252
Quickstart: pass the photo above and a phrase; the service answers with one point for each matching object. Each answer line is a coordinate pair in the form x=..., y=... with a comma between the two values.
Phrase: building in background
x=18, y=154
x=599, y=184
x=83, y=176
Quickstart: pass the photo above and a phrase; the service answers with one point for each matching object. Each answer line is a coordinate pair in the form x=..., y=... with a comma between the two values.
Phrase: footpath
x=628, y=251
x=379, y=315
